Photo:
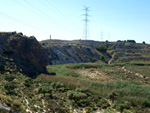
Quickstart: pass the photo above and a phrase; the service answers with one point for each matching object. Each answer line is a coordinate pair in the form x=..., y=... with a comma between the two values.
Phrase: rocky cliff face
x=21, y=53
x=71, y=54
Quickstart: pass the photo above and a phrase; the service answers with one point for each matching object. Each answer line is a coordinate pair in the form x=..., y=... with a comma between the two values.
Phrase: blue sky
x=117, y=19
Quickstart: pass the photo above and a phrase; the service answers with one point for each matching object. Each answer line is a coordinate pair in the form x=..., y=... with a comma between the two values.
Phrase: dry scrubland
x=89, y=87
x=117, y=80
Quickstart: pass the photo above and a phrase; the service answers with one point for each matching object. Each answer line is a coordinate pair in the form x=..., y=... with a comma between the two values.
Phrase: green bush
x=93, y=59
x=113, y=96
x=103, y=103
x=10, y=86
x=76, y=95
x=101, y=48
x=132, y=41
x=9, y=77
x=16, y=105
x=44, y=90
x=82, y=90
x=56, y=85
x=28, y=83
x=102, y=57
x=122, y=105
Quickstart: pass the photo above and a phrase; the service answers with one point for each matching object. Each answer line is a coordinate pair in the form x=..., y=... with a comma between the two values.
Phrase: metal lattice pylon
x=86, y=20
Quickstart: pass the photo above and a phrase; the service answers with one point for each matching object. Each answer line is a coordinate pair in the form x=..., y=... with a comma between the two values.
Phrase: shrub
x=16, y=105
x=122, y=105
x=145, y=102
x=10, y=86
x=57, y=85
x=102, y=57
x=103, y=104
x=9, y=78
x=93, y=59
x=132, y=41
x=113, y=96
x=88, y=110
x=32, y=37
x=83, y=90
x=6, y=99
x=28, y=83
x=13, y=33
x=76, y=95
x=44, y=90
x=144, y=42
x=101, y=48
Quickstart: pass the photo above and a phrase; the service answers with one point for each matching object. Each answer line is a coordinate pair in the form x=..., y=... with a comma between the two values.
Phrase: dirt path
x=138, y=75
x=112, y=59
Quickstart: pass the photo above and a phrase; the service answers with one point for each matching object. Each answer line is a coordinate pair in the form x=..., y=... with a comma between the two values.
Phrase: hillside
x=79, y=51
x=87, y=87
x=115, y=80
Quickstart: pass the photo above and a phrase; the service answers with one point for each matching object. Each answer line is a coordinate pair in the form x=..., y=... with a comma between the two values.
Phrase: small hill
x=79, y=51
x=19, y=53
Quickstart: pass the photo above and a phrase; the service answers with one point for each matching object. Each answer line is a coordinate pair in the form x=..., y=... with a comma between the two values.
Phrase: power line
x=43, y=13
x=59, y=12
x=56, y=9
x=37, y=11
x=24, y=6
x=86, y=20
x=16, y=20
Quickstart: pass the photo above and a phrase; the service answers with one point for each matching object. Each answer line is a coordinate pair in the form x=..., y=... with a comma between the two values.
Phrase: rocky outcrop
x=71, y=54
x=21, y=53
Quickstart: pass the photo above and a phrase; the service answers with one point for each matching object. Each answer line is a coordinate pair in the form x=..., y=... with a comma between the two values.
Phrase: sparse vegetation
x=132, y=41
x=101, y=48
x=121, y=90
x=122, y=86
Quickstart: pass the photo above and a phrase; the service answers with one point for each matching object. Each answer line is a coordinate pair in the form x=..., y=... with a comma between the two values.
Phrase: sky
x=110, y=20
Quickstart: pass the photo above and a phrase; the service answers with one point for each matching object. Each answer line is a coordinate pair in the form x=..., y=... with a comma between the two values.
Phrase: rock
x=4, y=107
x=25, y=52
x=71, y=54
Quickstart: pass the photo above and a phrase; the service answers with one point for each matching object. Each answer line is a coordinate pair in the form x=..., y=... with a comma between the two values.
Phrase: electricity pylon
x=86, y=20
